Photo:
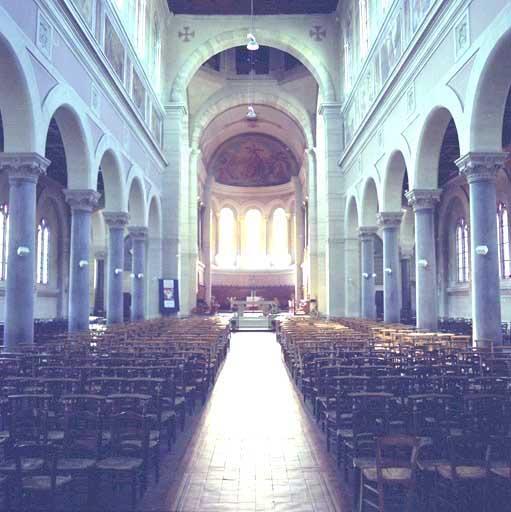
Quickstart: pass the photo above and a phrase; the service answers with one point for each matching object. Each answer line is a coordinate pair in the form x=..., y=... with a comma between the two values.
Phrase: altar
x=253, y=313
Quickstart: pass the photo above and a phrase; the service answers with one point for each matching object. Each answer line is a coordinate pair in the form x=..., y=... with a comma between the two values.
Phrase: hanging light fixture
x=252, y=43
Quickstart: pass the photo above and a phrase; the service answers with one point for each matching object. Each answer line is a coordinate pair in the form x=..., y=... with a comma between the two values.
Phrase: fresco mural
x=399, y=30
x=138, y=93
x=256, y=160
x=86, y=9
x=114, y=49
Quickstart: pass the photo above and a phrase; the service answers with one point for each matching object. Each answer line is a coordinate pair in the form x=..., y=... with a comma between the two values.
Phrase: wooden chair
x=42, y=487
x=128, y=453
x=395, y=469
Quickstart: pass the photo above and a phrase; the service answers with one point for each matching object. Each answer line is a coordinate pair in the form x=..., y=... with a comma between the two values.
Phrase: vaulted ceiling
x=226, y=7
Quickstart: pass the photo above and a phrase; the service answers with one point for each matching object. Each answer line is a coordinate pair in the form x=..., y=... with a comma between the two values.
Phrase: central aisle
x=256, y=448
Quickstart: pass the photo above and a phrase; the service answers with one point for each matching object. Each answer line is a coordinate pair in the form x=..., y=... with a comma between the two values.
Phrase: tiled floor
x=256, y=447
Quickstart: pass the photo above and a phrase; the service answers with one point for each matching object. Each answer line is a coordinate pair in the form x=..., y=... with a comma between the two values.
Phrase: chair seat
x=502, y=470
x=43, y=483
x=364, y=462
x=119, y=464
x=27, y=465
x=392, y=475
x=137, y=443
x=75, y=464
x=345, y=433
x=462, y=472
x=55, y=435
x=167, y=416
x=431, y=465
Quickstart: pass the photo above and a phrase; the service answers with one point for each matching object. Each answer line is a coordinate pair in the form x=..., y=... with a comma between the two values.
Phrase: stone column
x=390, y=222
x=206, y=242
x=299, y=238
x=138, y=236
x=23, y=170
x=352, y=279
x=480, y=169
x=174, y=142
x=423, y=202
x=366, y=236
x=406, y=289
x=116, y=222
x=331, y=208
x=312, y=193
x=81, y=202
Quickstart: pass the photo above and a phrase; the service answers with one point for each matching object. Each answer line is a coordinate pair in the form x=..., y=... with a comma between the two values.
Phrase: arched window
x=227, y=238
x=43, y=252
x=364, y=27
x=4, y=240
x=462, y=248
x=280, y=239
x=254, y=254
x=504, y=247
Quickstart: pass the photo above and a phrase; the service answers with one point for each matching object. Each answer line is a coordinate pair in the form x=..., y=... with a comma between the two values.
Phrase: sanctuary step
x=253, y=323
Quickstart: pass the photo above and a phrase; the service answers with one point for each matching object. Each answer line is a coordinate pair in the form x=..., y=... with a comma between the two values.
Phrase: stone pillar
x=406, y=288
x=206, y=242
x=390, y=222
x=81, y=202
x=480, y=169
x=174, y=141
x=99, y=284
x=331, y=208
x=366, y=236
x=138, y=236
x=352, y=279
x=23, y=170
x=423, y=202
x=116, y=222
x=312, y=193
x=299, y=237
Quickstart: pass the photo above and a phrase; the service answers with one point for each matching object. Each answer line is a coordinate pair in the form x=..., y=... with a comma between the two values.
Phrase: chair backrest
x=130, y=433
x=83, y=434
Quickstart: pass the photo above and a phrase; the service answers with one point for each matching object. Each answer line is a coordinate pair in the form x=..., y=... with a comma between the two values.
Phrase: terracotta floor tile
x=256, y=447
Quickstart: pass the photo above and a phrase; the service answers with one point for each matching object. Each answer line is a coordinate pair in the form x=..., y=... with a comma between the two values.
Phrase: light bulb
x=251, y=114
x=252, y=43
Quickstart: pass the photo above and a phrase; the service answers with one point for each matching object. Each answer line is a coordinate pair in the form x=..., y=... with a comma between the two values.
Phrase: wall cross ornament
x=318, y=33
x=186, y=35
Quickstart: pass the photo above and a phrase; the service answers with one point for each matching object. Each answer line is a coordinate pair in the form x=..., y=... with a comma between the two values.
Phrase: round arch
x=74, y=129
x=280, y=40
x=370, y=203
x=352, y=218
x=224, y=100
x=425, y=174
x=154, y=217
x=19, y=96
x=107, y=162
x=488, y=86
x=136, y=203
x=393, y=182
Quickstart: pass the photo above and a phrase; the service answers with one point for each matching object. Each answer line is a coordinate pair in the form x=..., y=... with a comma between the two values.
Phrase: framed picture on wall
x=169, y=296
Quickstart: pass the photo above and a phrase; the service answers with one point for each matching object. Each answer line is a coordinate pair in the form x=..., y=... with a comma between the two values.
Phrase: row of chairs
x=429, y=402
x=86, y=412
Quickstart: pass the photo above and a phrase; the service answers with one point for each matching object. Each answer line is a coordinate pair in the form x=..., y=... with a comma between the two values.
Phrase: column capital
x=24, y=166
x=366, y=232
x=82, y=199
x=423, y=199
x=389, y=219
x=138, y=232
x=100, y=254
x=116, y=219
x=481, y=166
x=330, y=109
